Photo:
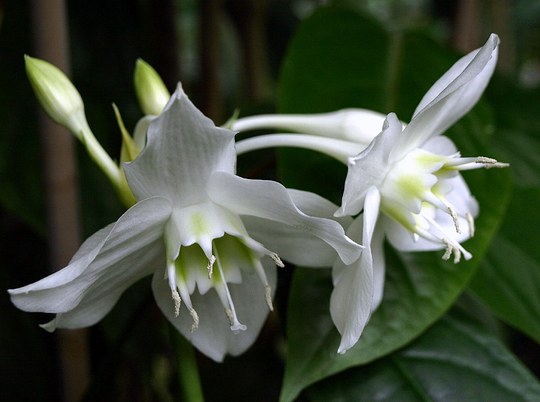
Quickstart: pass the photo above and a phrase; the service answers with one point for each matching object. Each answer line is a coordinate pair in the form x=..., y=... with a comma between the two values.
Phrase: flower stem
x=188, y=372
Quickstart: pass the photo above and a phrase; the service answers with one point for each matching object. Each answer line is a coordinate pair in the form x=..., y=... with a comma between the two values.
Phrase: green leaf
x=456, y=360
x=509, y=278
x=342, y=59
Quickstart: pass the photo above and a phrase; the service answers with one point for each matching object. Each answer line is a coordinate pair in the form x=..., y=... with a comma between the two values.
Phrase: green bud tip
x=56, y=94
x=151, y=91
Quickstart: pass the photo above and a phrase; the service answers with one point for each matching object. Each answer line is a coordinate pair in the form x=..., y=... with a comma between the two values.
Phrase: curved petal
x=356, y=125
x=351, y=302
x=141, y=129
x=214, y=337
x=450, y=98
x=473, y=61
x=369, y=168
x=271, y=201
x=298, y=247
x=107, y=263
x=379, y=266
x=183, y=149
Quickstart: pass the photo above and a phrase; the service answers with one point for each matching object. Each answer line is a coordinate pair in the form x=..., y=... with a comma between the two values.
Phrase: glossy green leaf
x=456, y=360
x=342, y=59
x=509, y=279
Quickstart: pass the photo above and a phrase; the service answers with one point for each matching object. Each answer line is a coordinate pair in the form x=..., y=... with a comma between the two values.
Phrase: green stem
x=188, y=372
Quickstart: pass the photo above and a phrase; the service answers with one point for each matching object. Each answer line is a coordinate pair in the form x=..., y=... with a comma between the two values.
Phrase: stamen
x=472, y=163
x=451, y=248
x=226, y=300
x=268, y=297
x=177, y=302
x=491, y=163
x=210, y=266
x=454, y=216
x=277, y=260
x=470, y=222
x=448, y=251
x=195, y=318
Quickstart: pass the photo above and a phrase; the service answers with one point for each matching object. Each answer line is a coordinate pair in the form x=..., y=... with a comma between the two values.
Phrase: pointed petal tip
x=49, y=326
x=494, y=39
x=344, y=346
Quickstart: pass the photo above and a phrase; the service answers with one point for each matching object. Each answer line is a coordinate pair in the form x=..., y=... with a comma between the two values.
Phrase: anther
x=454, y=216
x=277, y=260
x=470, y=222
x=448, y=251
x=177, y=302
x=450, y=248
x=195, y=318
x=268, y=297
x=491, y=163
x=210, y=266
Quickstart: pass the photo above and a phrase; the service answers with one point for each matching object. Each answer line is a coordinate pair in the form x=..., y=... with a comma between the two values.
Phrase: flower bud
x=151, y=91
x=57, y=95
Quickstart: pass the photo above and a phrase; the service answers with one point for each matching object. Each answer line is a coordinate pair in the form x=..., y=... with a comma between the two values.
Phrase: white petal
x=140, y=131
x=298, y=247
x=214, y=337
x=351, y=302
x=379, y=266
x=369, y=168
x=474, y=62
x=183, y=148
x=271, y=201
x=450, y=98
x=356, y=125
x=104, y=267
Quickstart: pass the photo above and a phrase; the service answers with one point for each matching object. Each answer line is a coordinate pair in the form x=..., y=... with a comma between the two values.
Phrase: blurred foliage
x=130, y=350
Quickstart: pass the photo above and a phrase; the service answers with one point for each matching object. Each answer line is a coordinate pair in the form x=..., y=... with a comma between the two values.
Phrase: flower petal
x=213, y=337
x=297, y=247
x=270, y=200
x=352, y=298
x=356, y=125
x=450, y=98
x=369, y=168
x=183, y=149
x=107, y=263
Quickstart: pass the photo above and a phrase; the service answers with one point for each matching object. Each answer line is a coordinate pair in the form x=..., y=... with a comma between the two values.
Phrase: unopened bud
x=151, y=91
x=57, y=95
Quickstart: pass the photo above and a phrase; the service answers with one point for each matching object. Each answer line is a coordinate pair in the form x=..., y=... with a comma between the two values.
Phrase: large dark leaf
x=456, y=360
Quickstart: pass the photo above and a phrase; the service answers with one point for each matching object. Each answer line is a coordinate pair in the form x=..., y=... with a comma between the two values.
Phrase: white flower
x=406, y=184
x=210, y=238
x=408, y=187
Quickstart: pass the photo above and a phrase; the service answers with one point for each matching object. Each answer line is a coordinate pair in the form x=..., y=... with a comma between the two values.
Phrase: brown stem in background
x=249, y=18
x=467, y=29
x=502, y=24
x=51, y=44
x=211, y=98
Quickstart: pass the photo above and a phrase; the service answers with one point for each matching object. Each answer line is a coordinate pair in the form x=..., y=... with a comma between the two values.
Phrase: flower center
x=417, y=192
x=231, y=255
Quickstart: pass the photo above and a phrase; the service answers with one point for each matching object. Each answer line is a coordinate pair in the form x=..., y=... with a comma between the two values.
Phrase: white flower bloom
x=406, y=184
x=408, y=187
x=210, y=238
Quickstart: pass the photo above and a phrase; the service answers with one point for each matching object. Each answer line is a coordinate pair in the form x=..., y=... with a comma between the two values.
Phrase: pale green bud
x=151, y=91
x=57, y=95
